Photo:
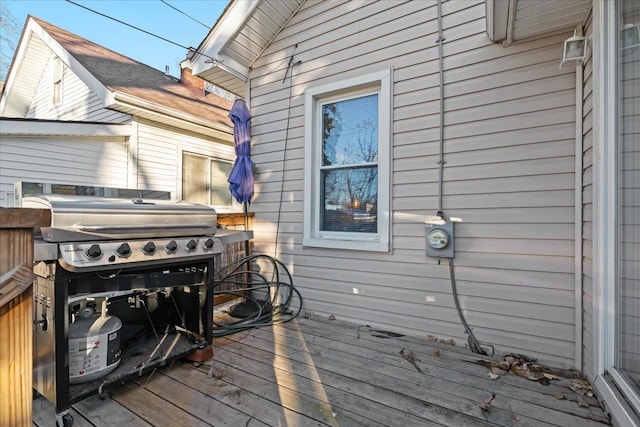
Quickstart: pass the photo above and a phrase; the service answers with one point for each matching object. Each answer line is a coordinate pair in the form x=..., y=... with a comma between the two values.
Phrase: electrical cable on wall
x=474, y=344
x=290, y=66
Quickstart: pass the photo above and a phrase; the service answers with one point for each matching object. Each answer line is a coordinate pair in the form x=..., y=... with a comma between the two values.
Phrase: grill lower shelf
x=138, y=357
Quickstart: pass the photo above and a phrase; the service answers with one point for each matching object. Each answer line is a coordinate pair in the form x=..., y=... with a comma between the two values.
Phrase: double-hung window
x=204, y=180
x=347, y=164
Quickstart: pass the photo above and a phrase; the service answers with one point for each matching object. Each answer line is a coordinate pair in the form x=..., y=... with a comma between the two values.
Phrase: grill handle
x=107, y=228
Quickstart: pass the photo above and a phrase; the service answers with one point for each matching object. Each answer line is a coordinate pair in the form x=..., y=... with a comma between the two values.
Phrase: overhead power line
x=189, y=49
x=188, y=16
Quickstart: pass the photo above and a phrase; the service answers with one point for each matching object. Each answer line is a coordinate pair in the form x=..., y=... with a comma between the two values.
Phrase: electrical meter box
x=440, y=238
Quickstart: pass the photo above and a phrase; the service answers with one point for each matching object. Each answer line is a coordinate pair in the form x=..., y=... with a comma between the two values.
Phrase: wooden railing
x=16, y=308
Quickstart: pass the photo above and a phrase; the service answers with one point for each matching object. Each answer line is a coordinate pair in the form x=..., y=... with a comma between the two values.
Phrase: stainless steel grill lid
x=85, y=218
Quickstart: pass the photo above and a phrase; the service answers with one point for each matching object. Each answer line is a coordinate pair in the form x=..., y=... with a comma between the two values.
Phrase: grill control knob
x=171, y=247
x=209, y=243
x=191, y=245
x=94, y=252
x=124, y=250
x=149, y=248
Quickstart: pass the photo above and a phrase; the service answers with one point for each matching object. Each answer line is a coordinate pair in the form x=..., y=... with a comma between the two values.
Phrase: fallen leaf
x=451, y=341
x=549, y=376
x=505, y=365
x=581, y=387
x=493, y=376
x=510, y=360
x=498, y=371
x=410, y=357
x=486, y=403
x=216, y=373
x=514, y=417
x=526, y=373
x=583, y=402
x=559, y=396
x=332, y=317
x=436, y=352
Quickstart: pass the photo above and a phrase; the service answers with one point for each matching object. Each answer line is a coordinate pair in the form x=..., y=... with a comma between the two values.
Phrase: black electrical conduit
x=271, y=310
x=473, y=343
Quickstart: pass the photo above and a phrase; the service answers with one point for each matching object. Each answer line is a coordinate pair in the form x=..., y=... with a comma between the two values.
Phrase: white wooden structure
x=75, y=113
x=529, y=151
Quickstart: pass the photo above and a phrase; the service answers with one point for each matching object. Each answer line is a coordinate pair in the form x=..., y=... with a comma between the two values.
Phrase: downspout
x=578, y=214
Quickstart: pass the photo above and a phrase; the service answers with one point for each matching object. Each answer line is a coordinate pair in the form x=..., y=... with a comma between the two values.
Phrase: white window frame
x=234, y=207
x=376, y=82
x=605, y=108
x=57, y=81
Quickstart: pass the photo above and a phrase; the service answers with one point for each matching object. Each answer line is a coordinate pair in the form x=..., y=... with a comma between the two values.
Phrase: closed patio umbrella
x=241, y=184
x=241, y=176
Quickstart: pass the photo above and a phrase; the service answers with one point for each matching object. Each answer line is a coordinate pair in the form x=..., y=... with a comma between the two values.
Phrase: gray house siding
x=509, y=176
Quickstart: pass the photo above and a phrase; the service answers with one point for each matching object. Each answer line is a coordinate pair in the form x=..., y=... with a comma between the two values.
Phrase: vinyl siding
x=587, y=215
x=159, y=155
x=79, y=102
x=79, y=161
x=509, y=175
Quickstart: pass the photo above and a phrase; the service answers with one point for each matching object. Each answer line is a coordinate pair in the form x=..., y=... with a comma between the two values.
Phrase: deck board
x=319, y=372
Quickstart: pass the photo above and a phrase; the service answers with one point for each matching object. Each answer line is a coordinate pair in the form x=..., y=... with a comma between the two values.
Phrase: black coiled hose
x=269, y=311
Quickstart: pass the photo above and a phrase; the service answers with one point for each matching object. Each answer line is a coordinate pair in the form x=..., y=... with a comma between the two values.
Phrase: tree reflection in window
x=349, y=170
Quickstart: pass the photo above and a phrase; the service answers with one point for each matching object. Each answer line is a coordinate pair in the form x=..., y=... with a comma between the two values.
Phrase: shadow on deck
x=313, y=372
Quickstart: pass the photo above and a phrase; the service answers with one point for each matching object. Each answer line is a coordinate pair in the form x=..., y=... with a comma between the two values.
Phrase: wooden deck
x=318, y=372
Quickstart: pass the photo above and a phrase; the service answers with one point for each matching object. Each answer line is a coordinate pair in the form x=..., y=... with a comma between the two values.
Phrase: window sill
x=354, y=245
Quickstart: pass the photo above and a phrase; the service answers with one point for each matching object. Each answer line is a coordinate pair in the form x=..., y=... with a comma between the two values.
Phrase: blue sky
x=151, y=15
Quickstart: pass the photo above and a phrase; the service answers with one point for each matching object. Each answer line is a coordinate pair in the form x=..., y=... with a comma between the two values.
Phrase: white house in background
x=73, y=113
x=540, y=168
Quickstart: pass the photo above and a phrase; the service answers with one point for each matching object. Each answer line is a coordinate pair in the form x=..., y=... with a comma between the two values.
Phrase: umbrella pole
x=246, y=308
x=246, y=243
x=246, y=227
x=246, y=216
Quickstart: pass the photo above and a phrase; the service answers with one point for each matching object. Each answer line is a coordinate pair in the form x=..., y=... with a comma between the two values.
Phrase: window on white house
x=56, y=89
x=204, y=180
x=347, y=176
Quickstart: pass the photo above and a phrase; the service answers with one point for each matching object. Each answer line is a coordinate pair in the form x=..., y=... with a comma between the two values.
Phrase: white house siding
x=509, y=174
x=587, y=215
x=79, y=102
x=79, y=161
x=159, y=155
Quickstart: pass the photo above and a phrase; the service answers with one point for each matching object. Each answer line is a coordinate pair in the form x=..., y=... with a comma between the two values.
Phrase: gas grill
x=123, y=287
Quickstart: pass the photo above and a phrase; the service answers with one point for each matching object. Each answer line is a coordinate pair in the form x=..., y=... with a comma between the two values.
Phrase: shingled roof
x=120, y=74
